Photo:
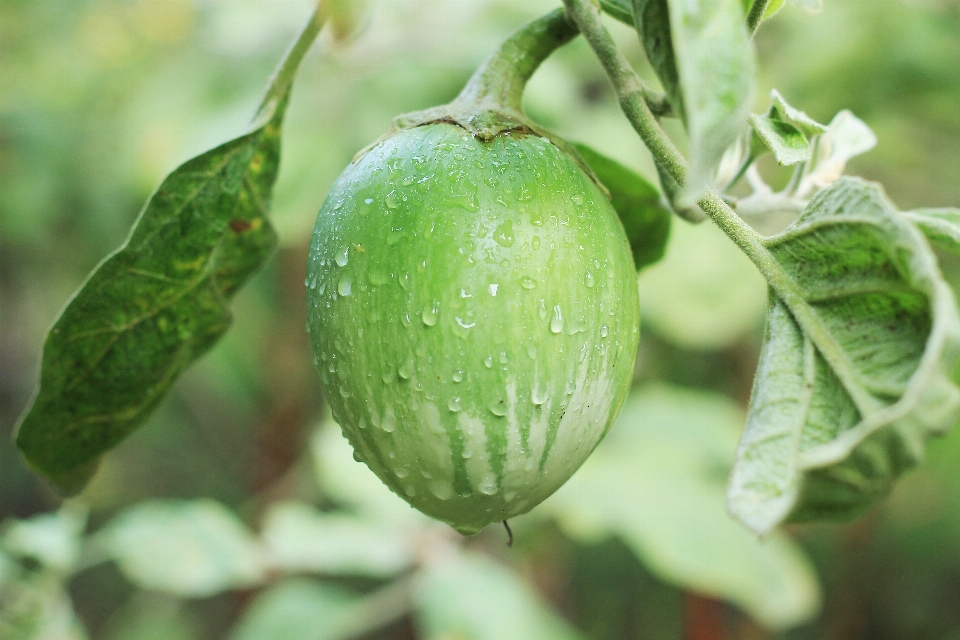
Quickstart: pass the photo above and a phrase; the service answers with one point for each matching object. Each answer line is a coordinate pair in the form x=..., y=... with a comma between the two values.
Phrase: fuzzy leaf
x=788, y=144
x=703, y=55
x=844, y=401
x=941, y=226
x=781, y=110
x=296, y=609
x=196, y=548
x=161, y=300
x=652, y=21
x=645, y=219
x=469, y=597
x=297, y=537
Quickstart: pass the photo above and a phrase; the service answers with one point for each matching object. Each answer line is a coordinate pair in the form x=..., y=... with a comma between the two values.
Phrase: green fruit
x=474, y=317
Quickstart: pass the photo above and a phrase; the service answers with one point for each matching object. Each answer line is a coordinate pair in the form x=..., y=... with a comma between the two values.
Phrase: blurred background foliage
x=237, y=512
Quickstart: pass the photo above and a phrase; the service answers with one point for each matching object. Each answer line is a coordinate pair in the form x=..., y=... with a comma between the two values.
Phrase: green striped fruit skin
x=474, y=318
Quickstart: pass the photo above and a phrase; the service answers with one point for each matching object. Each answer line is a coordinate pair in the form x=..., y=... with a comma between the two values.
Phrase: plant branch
x=627, y=86
x=755, y=16
x=283, y=77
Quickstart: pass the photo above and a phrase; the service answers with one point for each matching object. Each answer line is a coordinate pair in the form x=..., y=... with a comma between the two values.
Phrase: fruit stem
x=501, y=79
x=279, y=87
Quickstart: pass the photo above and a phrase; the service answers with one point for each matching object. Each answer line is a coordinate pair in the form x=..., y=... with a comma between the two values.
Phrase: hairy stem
x=755, y=16
x=629, y=88
x=282, y=78
x=665, y=154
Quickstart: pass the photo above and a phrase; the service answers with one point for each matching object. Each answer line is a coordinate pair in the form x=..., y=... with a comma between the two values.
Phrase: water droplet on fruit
x=556, y=323
x=430, y=314
x=576, y=199
x=571, y=387
x=535, y=243
x=458, y=375
x=488, y=487
x=392, y=200
x=454, y=404
x=368, y=201
x=488, y=362
x=410, y=491
x=532, y=350
x=441, y=489
x=539, y=393
x=503, y=357
x=588, y=279
x=389, y=422
x=343, y=256
x=504, y=234
x=604, y=331
x=527, y=282
x=498, y=407
x=346, y=285
x=406, y=369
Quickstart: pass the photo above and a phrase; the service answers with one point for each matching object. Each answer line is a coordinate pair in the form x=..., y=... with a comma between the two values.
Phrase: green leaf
x=638, y=203
x=618, y=9
x=703, y=55
x=844, y=401
x=652, y=21
x=781, y=110
x=657, y=482
x=194, y=549
x=773, y=7
x=469, y=597
x=704, y=294
x=52, y=539
x=788, y=144
x=295, y=609
x=161, y=300
x=941, y=226
x=300, y=538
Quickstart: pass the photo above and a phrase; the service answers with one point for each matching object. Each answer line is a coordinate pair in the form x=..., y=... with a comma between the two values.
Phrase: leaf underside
x=842, y=405
x=152, y=307
x=941, y=226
